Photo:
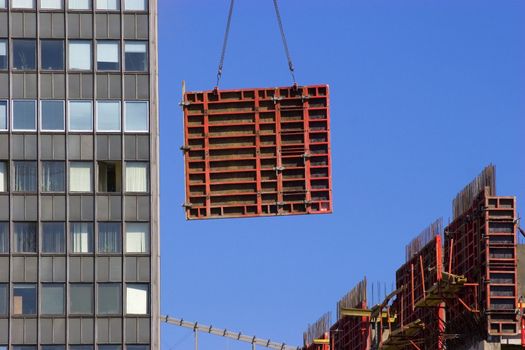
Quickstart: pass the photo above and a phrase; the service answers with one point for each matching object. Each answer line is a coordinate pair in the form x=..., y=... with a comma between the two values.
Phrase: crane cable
x=227, y=34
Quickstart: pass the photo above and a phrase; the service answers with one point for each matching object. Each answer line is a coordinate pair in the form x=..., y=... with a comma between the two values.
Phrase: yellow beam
x=322, y=341
x=354, y=312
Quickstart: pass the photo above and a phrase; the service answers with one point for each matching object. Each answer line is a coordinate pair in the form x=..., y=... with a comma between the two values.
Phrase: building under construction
x=462, y=286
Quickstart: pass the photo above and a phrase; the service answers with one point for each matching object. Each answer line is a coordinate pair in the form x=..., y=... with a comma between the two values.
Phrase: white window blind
x=135, y=47
x=79, y=55
x=3, y=48
x=137, y=299
x=82, y=236
x=107, y=5
x=107, y=52
x=136, y=177
x=3, y=115
x=80, y=177
x=135, y=5
x=79, y=4
x=3, y=177
x=22, y=4
x=137, y=237
x=51, y=4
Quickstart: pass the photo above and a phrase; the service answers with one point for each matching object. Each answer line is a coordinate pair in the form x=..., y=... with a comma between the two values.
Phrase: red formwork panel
x=351, y=332
x=257, y=152
x=481, y=245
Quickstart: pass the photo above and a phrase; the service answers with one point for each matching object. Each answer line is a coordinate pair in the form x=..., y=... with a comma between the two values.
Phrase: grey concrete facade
x=79, y=203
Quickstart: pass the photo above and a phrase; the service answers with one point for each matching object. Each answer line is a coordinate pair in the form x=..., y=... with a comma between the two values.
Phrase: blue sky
x=424, y=95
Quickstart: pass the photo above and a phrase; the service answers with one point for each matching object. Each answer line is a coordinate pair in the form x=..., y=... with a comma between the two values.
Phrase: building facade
x=79, y=235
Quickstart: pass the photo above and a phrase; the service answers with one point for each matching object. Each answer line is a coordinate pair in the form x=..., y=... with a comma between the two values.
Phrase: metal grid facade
x=89, y=329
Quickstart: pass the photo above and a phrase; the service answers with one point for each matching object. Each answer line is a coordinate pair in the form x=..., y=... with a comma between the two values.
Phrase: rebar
x=354, y=298
x=424, y=237
x=465, y=198
x=317, y=329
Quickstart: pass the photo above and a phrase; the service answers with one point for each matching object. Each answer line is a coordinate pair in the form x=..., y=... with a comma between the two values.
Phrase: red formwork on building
x=257, y=152
x=351, y=332
x=413, y=279
x=480, y=244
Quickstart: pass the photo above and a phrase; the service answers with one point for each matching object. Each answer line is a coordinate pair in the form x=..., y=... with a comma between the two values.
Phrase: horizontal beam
x=322, y=341
x=197, y=327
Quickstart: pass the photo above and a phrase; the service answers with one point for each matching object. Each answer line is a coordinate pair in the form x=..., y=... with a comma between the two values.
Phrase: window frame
x=125, y=114
x=7, y=237
x=146, y=7
x=119, y=53
x=42, y=175
x=92, y=180
x=13, y=177
x=90, y=7
x=33, y=6
x=7, y=176
x=6, y=116
x=12, y=110
x=64, y=240
x=121, y=238
x=146, y=45
x=41, y=303
x=147, y=301
x=51, y=8
x=35, y=68
x=78, y=41
x=35, y=288
x=13, y=240
x=69, y=115
x=40, y=117
x=147, y=238
x=63, y=54
x=147, y=167
x=105, y=9
x=90, y=238
x=7, y=58
x=98, y=294
x=70, y=299
x=97, y=128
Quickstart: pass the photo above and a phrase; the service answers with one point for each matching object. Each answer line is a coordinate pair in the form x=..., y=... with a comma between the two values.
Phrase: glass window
x=109, y=299
x=3, y=54
x=24, y=299
x=52, y=299
x=80, y=177
x=137, y=347
x=137, y=299
x=4, y=299
x=24, y=237
x=53, y=177
x=24, y=115
x=136, y=116
x=23, y=4
x=108, y=55
x=109, y=237
x=109, y=176
x=81, y=237
x=136, y=177
x=3, y=115
x=79, y=54
x=25, y=176
x=80, y=347
x=51, y=4
x=136, y=56
x=53, y=237
x=137, y=237
x=52, y=115
x=3, y=176
x=52, y=54
x=53, y=347
x=24, y=54
x=24, y=347
x=2, y=6
x=135, y=5
x=108, y=115
x=79, y=4
x=80, y=116
x=81, y=299
x=110, y=347
x=108, y=4
x=4, y=237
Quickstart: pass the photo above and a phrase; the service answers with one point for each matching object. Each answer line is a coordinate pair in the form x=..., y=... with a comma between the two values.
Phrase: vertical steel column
x=207, y=168
x=258, y=164
x=306, y=156
x=279, y=161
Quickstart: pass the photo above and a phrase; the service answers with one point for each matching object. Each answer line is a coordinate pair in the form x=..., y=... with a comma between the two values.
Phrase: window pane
x=24, y=347
x=25, y=176
x=51, y=4
x=79, y=4
x=4, y=298
x=24, y=115
x=136, y=177
x=24, y=299
x=80, y=347
x=53, y=176
x=81, y=237
x=52, y=299
x=108, y=56
x=53, y=347
x=80, y=116
x=136, y=56
x=135, y=5
x=109, y=347
x=52, y=54
x=137, y=347
x=3, y=176
x=137, y=237
x=109, y=237
x=108, y=116
x=3, y=115
x=52, y=115
x=22, y=4
x=80, y=177
x=24, y=237
x=81, y=299
x=108, y=4
x=137, y=299
x=4, y=237
x=136, y=116
x=24, y=54
x=3, y=54
x=109, y=176
x=2, y=6
x=79, y=54
x=53, y=237
x=109, y=299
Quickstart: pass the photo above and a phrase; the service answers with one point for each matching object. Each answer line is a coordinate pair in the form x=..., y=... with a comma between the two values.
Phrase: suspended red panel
x=257, y=152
